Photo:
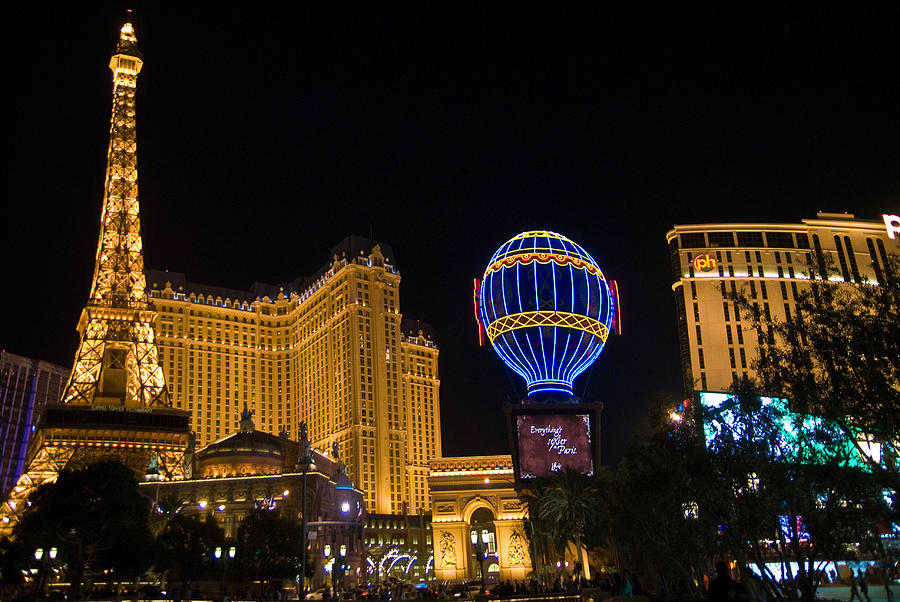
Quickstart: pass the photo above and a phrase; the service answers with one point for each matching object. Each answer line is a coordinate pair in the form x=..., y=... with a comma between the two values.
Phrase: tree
x=659, y=491
x=543, y=535
x=95, y=517
x=839, y=357
x=569, y=499
x=186, y=545
x=268, y=545
x=786, y=485
x=165, y=508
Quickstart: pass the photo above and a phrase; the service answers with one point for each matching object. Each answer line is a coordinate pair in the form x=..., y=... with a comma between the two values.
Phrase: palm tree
x=569, y=500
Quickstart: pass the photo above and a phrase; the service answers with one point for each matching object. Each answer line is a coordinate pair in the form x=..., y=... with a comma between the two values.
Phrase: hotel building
x=767, y=262
x=332, y=350
x=26, y=386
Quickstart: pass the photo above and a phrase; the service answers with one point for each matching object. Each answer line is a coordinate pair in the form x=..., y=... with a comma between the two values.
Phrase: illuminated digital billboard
x=550, y=438
x=801, y=438
x=550, y=443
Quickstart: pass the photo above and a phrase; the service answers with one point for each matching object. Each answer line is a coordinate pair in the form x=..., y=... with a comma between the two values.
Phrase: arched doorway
x=483, y=540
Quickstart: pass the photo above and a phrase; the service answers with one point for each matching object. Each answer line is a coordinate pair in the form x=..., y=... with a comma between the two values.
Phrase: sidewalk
x=842, y=592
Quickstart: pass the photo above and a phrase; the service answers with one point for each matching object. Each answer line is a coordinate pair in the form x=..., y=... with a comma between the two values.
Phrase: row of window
x=777, y=240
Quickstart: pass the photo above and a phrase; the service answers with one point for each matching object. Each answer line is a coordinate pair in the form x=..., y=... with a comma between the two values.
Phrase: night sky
x=267, y=134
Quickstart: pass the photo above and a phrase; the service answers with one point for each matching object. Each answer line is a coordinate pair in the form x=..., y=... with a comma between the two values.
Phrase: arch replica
x=477, y=494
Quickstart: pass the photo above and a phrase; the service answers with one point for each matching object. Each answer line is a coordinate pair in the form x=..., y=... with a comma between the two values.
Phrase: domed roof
x=342, y=481
x=246, y=453
x=245, y=442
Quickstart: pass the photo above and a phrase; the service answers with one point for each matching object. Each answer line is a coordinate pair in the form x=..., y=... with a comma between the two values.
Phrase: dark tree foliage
x=165, y=508
x=839, y=357
x=96, y=518
x=787, y=497
x=186, y=545
x=656, y=496
x=562, y=509
x=268, y=546
x=13, y=557
x=570, y=500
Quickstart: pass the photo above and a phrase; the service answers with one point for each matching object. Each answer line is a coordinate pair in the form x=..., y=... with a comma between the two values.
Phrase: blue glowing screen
x=800, y=438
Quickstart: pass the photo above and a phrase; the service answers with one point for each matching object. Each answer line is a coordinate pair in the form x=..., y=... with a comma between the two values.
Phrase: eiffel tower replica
x=115, y=404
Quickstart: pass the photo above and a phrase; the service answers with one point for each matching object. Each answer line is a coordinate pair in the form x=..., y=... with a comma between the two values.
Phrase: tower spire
x=118, y=270
x=117, y=362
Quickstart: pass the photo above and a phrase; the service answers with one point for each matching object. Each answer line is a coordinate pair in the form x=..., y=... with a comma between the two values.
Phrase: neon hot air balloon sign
x=547, y=309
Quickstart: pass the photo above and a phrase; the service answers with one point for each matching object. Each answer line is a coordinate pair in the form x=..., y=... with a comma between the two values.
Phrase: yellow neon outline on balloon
x=529, y=319
x=543, y=234
x=544, y=251
x=544, y=258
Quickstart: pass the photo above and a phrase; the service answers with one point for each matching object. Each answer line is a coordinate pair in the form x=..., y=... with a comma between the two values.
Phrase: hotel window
x=874, y=259
x=853, y=266
x=750, y=239
x=721, y=239
x=820, y=257
x=781, y=240
x=694, y=240
x=843, y=261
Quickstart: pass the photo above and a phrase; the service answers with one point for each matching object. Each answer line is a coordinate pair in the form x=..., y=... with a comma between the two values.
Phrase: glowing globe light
x=547, y=309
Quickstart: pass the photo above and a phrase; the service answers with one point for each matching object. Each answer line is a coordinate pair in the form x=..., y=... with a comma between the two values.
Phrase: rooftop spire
x=127, y=39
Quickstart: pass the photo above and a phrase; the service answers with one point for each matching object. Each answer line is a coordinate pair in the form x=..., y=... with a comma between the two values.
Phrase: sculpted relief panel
x=447, y=549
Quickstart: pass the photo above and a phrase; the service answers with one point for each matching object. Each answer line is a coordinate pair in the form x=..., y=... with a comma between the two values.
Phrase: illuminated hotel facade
x=332, y=351
x=767, y=262
x=26, y=386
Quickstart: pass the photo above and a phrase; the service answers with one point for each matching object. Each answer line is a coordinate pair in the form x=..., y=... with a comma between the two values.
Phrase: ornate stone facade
x=255, y=470
x=464, y=491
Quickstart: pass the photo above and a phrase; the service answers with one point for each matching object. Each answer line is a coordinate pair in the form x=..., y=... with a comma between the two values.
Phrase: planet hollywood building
x=769, y=263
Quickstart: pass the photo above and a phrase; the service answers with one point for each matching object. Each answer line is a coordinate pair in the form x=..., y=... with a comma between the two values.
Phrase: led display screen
x=548, y=443
x=801, y=438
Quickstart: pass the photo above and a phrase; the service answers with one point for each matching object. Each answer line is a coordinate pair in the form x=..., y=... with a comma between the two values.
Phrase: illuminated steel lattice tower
x=115, y=403
x=118, y=357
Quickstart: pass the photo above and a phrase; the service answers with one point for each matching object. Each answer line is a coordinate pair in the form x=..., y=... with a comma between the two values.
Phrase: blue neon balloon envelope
x=547, y=309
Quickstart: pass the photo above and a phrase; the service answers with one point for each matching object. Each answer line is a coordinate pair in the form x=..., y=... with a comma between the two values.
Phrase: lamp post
x=225, y=556
x=44, y=559
x=337, y=569
x=481, y=551
x=305, y=463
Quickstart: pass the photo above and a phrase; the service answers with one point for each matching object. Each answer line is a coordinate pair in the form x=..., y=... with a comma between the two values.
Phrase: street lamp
x=337, y=569
x=305, y=462
x=44, y=560
x=225, y=557
x=481, y=551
